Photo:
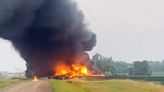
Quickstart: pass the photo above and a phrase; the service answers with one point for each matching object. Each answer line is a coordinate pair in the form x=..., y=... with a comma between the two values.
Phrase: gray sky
x=127, y=30
x=10, y=60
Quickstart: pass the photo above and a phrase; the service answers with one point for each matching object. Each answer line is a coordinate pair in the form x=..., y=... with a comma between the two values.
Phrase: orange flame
x=79, y=70
x=35, y=79
x=62, y=69
x=73, y=70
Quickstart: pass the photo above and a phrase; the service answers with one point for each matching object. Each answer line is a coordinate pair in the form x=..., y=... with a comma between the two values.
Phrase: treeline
x=157, y=66
x=108, y=66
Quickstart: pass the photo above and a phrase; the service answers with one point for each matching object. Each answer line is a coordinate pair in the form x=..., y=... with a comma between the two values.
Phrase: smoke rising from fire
x=45, y=32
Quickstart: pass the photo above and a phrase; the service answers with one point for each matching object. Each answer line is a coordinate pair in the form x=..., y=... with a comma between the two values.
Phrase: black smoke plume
x=45, y=32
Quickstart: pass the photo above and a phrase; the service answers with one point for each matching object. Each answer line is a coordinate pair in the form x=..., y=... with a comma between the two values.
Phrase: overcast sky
x=127, y=30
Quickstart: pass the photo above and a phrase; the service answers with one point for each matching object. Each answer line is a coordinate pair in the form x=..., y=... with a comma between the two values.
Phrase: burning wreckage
x=50, y=35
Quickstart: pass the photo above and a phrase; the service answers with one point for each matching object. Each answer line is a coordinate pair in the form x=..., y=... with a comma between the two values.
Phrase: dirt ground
x=30, y=86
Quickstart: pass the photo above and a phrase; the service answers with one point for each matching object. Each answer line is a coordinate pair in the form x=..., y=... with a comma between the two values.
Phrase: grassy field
x=8, y=82
x=77, y=85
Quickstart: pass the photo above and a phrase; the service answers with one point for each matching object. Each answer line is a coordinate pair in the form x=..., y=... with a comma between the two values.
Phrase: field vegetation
x=5, y=83
x=78, y=85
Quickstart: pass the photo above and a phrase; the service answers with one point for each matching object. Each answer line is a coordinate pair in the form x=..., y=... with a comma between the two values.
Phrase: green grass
x=64, y=86
x=8, y=82
x=77, y=85
x=158, y=74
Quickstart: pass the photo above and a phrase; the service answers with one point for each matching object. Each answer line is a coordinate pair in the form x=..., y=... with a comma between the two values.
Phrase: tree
x=121, y=67
x=157, y=66
x=146, y=68
x=103, y=64
x=140, y=68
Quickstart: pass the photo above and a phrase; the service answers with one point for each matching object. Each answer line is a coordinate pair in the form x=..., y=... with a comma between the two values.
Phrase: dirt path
x=30, y=86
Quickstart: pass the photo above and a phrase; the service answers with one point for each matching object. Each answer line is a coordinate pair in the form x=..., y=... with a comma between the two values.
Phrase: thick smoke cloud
x=45, y=32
